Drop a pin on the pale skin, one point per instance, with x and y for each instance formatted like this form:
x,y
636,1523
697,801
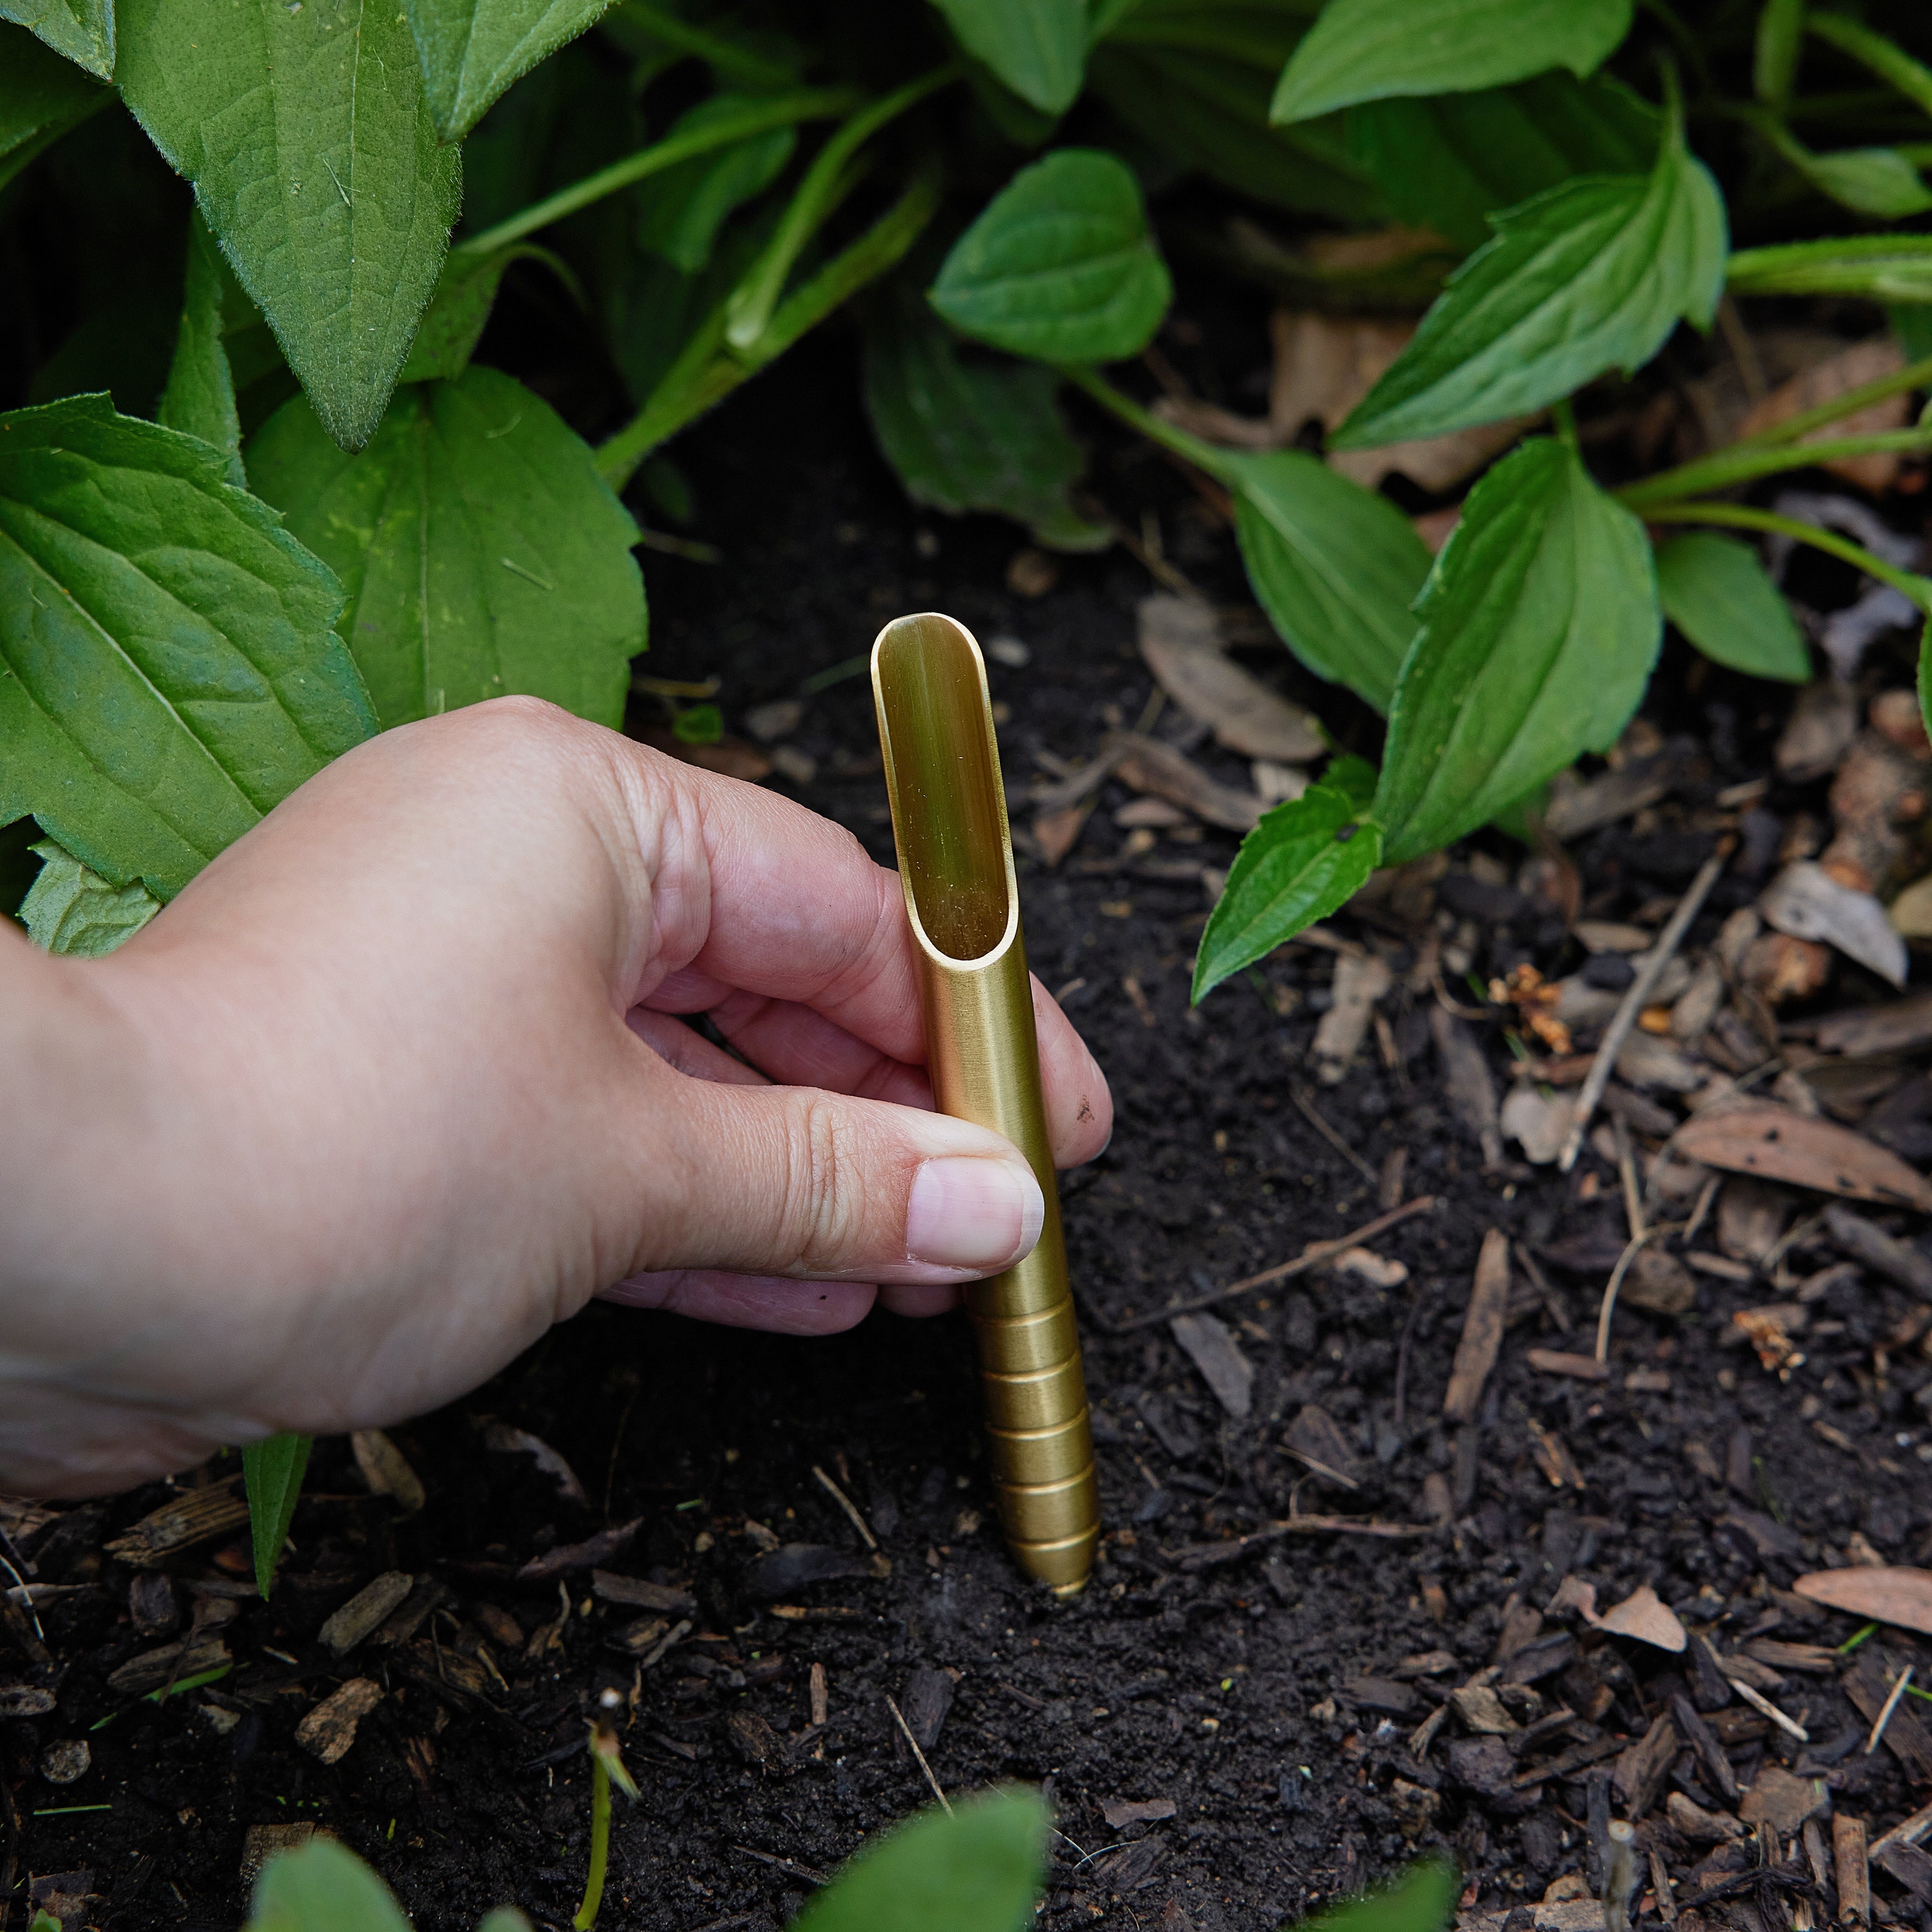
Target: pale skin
x,y
398,1082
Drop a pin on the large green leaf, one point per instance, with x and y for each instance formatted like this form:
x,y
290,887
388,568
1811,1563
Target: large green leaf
x,y
200,398
1302,861
1451,160
1038,48
978,1870
271,1472
1422,1900
680,210
1539,628
471,50
167,669
1591,276
41,96
324,1887
1335,567
1059,265
70,908
1715,591
1369,49
969,433
481,553
313,156
81,31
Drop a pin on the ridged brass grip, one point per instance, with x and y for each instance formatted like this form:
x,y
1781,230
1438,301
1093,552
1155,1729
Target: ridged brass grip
x,y
962,898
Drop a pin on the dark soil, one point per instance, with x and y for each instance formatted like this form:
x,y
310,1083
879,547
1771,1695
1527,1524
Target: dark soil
x,y
1265,1695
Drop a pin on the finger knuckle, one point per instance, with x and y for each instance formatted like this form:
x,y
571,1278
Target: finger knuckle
x,y
824,1200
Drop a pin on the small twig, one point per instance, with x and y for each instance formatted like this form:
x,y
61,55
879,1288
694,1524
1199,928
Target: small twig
x,y
26,1597
845,1503
1312,1113
1765,1707
1323,1251
1706,1194
1634,1002
1633,1213
1616,1281
1885,1710
899,1717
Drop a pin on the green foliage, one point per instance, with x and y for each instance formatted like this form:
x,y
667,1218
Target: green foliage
x,y
200,398
1538,628
1422,1900
315,159
1059,266
172,672
44,1920
472,49
459,310
41,96
1369,49
324,1887
71,910
81,31
481,553
272,1472
1037,48
1873,268
1590,276
1715,591
979,1870
685,207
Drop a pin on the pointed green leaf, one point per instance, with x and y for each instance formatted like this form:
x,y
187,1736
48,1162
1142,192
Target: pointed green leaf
x,y
471,50
322,1888
1591,276
979,1870
1355,779
313,156
1716,592
69,909
1878,181
272,1473
167,669
482,552
1539,627
1038,48
1335,567
972,433
1422,1900
1304,859
459,311
681,210
200,398
1872,268
1060,266
41,96
1369,50
81,31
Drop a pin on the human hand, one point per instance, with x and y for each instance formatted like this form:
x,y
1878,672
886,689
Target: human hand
x,y
396,1083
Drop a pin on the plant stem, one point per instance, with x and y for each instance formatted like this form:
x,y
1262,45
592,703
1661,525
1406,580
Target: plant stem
x,y
1217,463
1892,64
1914,376
756,117
1741,462
735,63
1565,419
1742,516
600,1844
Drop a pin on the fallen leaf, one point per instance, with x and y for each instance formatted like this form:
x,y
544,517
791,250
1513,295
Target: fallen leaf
x,y
1180,640
1538,1122
1777,1145
1211,1347
1779,1799
386,1470
506,1441
1119,1813
1360,980
1642,1615
1889,1596
1807,902
1147,765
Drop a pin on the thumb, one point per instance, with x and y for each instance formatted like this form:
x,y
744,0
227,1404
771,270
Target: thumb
x,y
794,1180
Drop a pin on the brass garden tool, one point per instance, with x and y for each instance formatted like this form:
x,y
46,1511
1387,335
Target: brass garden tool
x,y
956,863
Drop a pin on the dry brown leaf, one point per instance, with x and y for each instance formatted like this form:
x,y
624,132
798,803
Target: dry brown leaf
x,y
1147,765
1180,640
1863,362
1642,1615
1889,1596
1777,1145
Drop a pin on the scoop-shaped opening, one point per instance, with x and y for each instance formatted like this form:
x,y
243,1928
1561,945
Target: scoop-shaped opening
x,y
936,729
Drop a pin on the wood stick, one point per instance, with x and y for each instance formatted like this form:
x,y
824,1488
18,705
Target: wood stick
x,y
1482,1330
1907,1831
845,1503
1885,1710
920,1754
1849,1867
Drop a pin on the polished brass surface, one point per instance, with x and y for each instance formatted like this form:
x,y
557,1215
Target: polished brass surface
x,y
956,864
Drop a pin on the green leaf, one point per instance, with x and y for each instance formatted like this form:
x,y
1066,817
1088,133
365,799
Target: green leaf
x,y
313,156
700,725
1451,160
272,1474
41,96
1369,49
966,433
1422,1900
81,31
1355,779
458,312
167,669
1871,267
1590,276
503,1918
481,553
979,1870
324,1887
681,210
471,50
1780,27
1038,48
69,909
1912,323
44,1920
1877,181
1335,567
1715,591
1302,860
1539,628
1060,266
200,398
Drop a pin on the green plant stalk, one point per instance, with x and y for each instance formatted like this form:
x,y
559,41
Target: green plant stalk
x,y
1189,447
1892,64
733,62
1565,417
751,302
1743,516
1915,375
702,377
757,118
600,1844
1852,264
1742,463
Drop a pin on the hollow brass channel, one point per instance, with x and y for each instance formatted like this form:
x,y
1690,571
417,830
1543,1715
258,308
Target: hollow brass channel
x,y
956,865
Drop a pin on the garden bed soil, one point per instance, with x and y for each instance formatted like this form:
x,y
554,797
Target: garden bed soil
x,y
1259,1701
